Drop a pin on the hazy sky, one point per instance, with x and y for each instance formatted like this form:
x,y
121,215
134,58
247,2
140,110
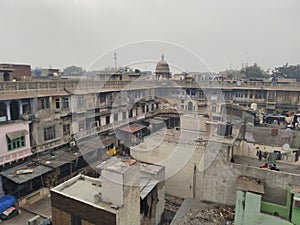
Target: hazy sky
x,y
224,33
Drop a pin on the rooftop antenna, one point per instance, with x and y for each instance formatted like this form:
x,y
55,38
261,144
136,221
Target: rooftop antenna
x,y
115,58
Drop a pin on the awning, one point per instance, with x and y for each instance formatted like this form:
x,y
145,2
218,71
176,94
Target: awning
x,y
132,128
16,134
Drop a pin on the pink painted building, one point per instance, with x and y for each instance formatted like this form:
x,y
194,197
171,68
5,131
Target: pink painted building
x,y
15,142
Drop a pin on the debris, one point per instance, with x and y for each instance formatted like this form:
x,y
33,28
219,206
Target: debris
x,y
215,216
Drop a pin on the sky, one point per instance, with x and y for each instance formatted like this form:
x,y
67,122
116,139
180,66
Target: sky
x,y
193,35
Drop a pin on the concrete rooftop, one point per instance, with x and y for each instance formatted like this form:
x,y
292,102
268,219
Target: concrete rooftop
x,y
83,188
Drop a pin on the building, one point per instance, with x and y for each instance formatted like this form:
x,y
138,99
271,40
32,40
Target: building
x,y
162,70
15,72
126,193
45,73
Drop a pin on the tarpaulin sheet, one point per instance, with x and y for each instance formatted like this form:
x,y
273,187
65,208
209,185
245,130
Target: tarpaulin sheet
x,y
6,201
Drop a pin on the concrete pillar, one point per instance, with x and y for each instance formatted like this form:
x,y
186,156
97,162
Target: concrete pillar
x,y
20,107
33,105
50,103
8,110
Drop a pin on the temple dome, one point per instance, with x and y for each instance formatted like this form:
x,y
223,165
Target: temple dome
x,y
162,68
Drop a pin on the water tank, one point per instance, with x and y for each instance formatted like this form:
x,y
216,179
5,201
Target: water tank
x,y
224,129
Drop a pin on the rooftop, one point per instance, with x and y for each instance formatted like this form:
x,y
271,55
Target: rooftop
x,y
85,189
30,171
251,184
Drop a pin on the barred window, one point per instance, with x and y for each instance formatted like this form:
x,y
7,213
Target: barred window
x,y
43,103
65,102
66,129
15,143
49,133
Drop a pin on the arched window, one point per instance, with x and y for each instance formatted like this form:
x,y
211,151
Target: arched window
x,y
190,106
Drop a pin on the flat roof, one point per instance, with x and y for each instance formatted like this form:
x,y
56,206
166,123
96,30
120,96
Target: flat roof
x,y
84,189
58,159
22,178
251,184
115,164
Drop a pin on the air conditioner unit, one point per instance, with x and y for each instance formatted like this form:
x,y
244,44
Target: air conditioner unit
x,y
34,220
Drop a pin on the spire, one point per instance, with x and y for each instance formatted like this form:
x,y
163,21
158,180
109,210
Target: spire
x,y
162,57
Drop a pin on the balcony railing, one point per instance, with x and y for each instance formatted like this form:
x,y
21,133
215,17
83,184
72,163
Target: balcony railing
x,y
91,85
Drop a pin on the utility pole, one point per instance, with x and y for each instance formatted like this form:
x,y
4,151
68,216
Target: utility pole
x,y
115,58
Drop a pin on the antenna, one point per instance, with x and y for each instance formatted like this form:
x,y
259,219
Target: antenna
x,y
115,58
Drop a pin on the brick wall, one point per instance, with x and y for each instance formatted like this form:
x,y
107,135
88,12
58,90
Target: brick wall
x,y
60,217
84,222
19,71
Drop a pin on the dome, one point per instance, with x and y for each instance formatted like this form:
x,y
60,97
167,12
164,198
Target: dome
x,y
162,68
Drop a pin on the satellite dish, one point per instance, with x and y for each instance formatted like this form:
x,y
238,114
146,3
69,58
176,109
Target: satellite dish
x,y
285,147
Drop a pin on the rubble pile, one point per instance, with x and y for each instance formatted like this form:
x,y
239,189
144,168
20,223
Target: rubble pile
x,y
214,216
171,204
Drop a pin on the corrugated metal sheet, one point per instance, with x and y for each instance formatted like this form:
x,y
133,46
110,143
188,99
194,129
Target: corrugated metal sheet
x,y
146,186
16,134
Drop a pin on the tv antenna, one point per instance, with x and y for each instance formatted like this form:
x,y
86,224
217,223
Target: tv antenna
x,y
115,58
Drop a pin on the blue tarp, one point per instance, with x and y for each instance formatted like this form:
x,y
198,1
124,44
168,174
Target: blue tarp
x,y
6,201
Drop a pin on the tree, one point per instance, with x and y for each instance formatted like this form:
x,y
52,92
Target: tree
x,y
287,71
254,71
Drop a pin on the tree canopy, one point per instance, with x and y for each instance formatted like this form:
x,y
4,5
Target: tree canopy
x,y
254,71
287,71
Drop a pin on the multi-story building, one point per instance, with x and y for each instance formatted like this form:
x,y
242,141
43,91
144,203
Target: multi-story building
x,y
15,72
126,193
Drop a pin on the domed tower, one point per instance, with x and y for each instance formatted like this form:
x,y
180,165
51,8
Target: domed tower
x,y
162,69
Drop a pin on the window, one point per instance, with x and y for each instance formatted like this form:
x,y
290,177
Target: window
x,y
66,129
227,95
201,94
49,133
43,103
81,126
130,113
116,115
287,96
80,102
152,107
57,103
272,96
75,220
238,95
214,109
15,143
258,94
107,119
251,94
124,115
65,102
